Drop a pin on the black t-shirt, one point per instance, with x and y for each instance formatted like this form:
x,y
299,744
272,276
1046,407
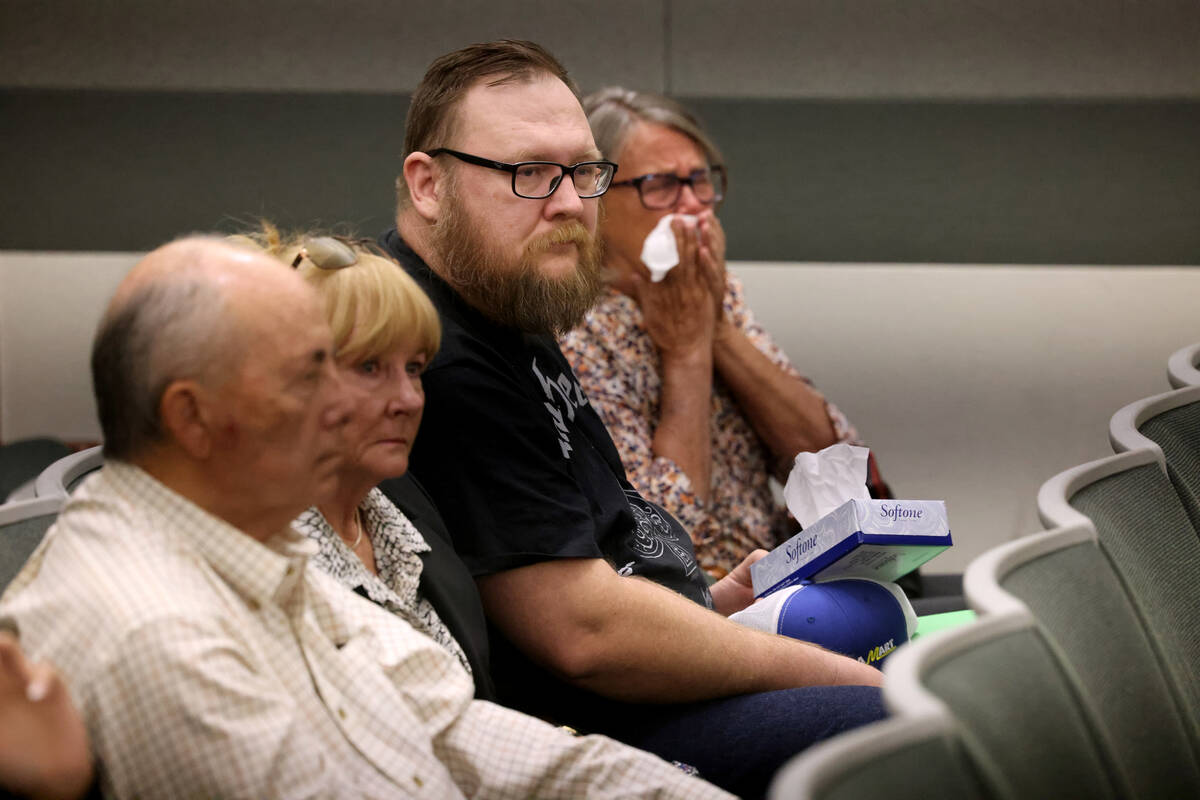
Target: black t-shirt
x,y
522,468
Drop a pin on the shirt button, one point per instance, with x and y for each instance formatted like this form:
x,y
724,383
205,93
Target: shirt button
x,y
290,570
341,712
417,780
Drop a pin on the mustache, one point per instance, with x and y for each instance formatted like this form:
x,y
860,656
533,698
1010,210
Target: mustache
x,y
570,232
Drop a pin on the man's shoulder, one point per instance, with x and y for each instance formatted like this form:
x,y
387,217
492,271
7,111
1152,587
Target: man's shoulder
x,y
467,337
103,574
471,342
444,298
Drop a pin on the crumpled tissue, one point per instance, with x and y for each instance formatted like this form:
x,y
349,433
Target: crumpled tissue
x,y
659,253
820,482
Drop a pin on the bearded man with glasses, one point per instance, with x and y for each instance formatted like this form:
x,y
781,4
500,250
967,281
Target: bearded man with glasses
x,y
603,619
703,406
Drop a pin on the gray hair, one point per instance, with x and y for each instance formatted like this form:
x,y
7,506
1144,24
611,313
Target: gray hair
x,y
172,328
612,113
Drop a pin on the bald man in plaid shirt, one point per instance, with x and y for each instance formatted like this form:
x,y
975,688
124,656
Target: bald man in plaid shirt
x,y
207,657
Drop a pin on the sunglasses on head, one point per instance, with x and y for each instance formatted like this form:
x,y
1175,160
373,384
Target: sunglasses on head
x,y
331,252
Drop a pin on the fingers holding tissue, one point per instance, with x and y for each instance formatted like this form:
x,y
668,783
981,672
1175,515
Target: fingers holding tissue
x,y
679,311
660,251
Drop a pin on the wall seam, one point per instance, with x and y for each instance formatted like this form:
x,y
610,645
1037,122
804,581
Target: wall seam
x,y
668,77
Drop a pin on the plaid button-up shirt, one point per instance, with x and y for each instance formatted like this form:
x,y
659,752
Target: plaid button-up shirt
x,y
207,664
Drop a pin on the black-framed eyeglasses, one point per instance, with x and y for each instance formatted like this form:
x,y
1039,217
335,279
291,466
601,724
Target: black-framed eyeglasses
x,y
331,252
660,190
536,180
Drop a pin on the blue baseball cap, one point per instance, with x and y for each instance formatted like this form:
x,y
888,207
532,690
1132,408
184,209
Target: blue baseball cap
x,y
860,618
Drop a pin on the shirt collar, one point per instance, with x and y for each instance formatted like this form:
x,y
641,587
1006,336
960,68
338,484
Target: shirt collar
x,y
260,572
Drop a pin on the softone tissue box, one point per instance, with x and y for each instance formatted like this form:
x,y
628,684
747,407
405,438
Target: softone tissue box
x,y
877,539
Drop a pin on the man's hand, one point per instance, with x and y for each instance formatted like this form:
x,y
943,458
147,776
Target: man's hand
x,y
735,591
633,640
43,744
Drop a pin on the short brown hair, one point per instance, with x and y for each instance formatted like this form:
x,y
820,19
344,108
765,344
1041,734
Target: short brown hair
x,y
431,117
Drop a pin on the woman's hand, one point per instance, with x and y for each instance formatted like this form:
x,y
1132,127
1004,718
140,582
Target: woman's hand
x,y
711,254
680,318
679,311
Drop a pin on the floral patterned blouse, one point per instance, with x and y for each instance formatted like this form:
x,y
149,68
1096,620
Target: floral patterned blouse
x,y
618,366
397,544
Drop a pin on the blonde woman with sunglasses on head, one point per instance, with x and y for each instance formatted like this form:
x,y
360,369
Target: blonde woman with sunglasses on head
x,y
387,542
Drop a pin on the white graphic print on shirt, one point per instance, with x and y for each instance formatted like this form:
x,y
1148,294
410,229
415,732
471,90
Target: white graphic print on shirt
x,y
565,392
654,536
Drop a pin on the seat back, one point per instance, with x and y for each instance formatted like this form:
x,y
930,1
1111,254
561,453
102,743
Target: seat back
x,y
60,478
22,526
901,758
1182,366
1020,714
1148,540
1090,623
21,462
1170,424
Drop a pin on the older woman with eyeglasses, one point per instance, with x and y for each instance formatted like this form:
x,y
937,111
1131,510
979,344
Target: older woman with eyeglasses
x,y
380,535
702,405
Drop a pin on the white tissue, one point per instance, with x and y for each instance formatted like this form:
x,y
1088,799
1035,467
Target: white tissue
x,y
820,482
658,252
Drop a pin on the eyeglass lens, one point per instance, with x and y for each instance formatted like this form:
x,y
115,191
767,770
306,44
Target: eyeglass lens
x,y
537,180
662,191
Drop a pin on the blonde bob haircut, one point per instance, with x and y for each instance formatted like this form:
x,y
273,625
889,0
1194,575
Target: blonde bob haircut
x,y
373,306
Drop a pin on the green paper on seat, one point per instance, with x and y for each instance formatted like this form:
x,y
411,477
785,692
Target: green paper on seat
x,y
936,622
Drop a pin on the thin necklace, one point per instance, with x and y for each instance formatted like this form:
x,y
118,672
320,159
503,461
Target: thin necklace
x,y
358,525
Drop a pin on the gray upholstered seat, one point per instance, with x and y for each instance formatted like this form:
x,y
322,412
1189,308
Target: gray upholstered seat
x,y
901,758
1090,622
1019,713
22,526
1169,423
22,460
1144,532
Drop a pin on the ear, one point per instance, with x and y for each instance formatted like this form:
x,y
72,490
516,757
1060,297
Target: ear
x,y
186,417
423,178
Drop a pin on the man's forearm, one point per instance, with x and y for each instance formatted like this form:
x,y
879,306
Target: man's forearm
x,y
695,654
630,639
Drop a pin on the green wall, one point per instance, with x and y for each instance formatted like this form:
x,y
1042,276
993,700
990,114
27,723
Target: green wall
x,y
861,181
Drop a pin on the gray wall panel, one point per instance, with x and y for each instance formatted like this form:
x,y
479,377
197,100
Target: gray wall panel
x,y
310,45
1047,183
948,49
126,171
810,181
